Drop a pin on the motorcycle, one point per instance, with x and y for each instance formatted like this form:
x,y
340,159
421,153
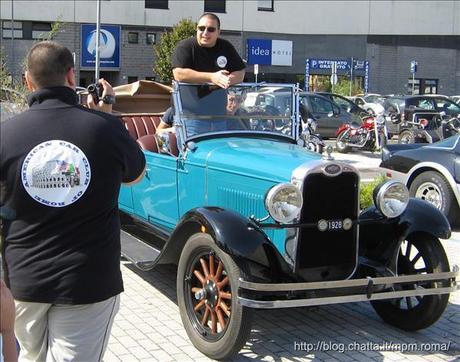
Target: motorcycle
x,y
371,134
312,141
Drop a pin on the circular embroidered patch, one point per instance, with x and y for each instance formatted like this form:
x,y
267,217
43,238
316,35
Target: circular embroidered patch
x,y
222,61
56,173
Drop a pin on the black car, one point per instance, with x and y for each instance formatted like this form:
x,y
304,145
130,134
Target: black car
x,y
409,108
328,114
346,104
430,171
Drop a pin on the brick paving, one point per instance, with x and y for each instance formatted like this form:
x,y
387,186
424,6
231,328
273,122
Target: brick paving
x,y
148,327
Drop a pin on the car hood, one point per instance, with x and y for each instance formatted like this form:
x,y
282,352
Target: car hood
x,y
259,157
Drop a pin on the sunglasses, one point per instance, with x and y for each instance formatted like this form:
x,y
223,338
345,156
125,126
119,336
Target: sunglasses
x,y
210,29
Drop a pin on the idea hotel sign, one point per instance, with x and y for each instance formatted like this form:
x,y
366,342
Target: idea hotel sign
x,y
269,52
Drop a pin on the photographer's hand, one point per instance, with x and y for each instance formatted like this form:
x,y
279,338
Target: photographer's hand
x,y
101,106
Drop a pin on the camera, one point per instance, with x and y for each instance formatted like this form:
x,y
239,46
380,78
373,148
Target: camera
x,y
95,90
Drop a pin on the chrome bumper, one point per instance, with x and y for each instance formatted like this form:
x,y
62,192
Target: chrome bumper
x,y
368,283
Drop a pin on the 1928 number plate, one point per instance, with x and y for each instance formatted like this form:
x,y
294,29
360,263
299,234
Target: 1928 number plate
x,y
334,225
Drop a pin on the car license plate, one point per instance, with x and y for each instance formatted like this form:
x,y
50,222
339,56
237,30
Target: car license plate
x,y
334,225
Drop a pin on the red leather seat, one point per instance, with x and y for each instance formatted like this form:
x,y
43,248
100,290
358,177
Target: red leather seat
x,y
148,143
141,125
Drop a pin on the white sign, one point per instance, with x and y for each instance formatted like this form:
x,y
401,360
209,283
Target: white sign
x,y
282,52
256,68
334,79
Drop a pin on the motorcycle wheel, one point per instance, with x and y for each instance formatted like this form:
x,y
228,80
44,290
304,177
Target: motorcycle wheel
x,y
314,144
406,137
340,144
419,254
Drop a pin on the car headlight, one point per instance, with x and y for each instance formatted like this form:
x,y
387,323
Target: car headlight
x,y
391,198
284,202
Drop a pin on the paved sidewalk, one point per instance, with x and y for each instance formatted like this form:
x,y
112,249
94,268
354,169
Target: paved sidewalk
x,y
148,327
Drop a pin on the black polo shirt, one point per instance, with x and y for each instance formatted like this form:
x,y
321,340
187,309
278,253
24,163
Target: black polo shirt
x,y
61,167
222,56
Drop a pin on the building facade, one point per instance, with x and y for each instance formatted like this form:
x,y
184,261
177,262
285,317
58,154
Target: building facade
x,y
373,42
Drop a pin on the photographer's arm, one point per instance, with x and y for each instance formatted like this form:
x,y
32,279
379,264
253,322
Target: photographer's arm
x,y
101,106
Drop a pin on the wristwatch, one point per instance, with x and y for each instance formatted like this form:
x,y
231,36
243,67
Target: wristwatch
x,y
108,99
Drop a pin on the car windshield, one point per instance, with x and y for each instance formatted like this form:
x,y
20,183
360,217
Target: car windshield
x,y
208,109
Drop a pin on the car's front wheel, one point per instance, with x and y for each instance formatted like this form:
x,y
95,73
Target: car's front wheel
x,y
434,188
419,254
207,278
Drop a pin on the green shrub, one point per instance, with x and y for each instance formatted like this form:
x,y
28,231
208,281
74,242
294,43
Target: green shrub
x,y
366,191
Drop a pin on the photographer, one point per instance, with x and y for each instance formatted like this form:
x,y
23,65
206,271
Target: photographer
x,y
60,173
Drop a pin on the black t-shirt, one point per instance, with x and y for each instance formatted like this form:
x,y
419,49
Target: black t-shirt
x,y
61,168
189,54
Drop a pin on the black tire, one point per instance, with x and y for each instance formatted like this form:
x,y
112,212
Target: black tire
x,y
340,143
220,327
425,251
406,137
434,188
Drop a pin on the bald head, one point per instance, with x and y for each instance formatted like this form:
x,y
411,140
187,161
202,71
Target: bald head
x,y
48,63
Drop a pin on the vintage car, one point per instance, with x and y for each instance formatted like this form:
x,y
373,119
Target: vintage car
x,y
254,220
430,172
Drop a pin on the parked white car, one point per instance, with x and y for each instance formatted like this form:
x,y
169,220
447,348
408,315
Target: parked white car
x,y
372,103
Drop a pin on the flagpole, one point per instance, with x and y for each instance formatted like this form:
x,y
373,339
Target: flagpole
x,y
98,32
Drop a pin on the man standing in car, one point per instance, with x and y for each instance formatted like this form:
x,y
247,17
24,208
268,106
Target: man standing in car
x,y
60,175
207,58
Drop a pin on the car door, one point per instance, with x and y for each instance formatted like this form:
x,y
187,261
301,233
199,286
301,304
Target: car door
x,y
326,113
155,197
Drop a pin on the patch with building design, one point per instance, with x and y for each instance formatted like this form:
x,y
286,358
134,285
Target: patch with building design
x,y
56,173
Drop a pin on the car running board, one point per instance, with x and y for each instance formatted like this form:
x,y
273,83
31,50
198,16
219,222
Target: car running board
x,y
142,255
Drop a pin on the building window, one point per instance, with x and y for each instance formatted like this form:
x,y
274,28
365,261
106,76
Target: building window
x,y
430,86
151,38
7,32
214,6
132,79
156,4
40,30
265,5
150,78
133,37
413,86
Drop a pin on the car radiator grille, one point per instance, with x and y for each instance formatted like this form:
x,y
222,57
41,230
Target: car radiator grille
x,y
328,254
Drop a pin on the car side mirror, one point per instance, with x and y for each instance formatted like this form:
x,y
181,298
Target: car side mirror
x,y
330,114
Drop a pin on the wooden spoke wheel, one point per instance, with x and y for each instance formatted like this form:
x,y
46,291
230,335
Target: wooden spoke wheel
x,y
207,294
211,293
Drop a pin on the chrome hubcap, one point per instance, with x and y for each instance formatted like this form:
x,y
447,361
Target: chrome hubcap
x,y
431,193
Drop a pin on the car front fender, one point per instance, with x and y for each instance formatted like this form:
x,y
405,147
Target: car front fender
x,y
381,237
234,234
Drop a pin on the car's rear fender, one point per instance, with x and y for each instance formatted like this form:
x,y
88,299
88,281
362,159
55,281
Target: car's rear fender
x,y
419,217
235,235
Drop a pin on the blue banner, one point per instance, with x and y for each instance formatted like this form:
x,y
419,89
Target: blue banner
x,y
260,51
109,46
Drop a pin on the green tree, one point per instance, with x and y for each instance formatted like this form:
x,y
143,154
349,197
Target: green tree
x,y
165,47
343,87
